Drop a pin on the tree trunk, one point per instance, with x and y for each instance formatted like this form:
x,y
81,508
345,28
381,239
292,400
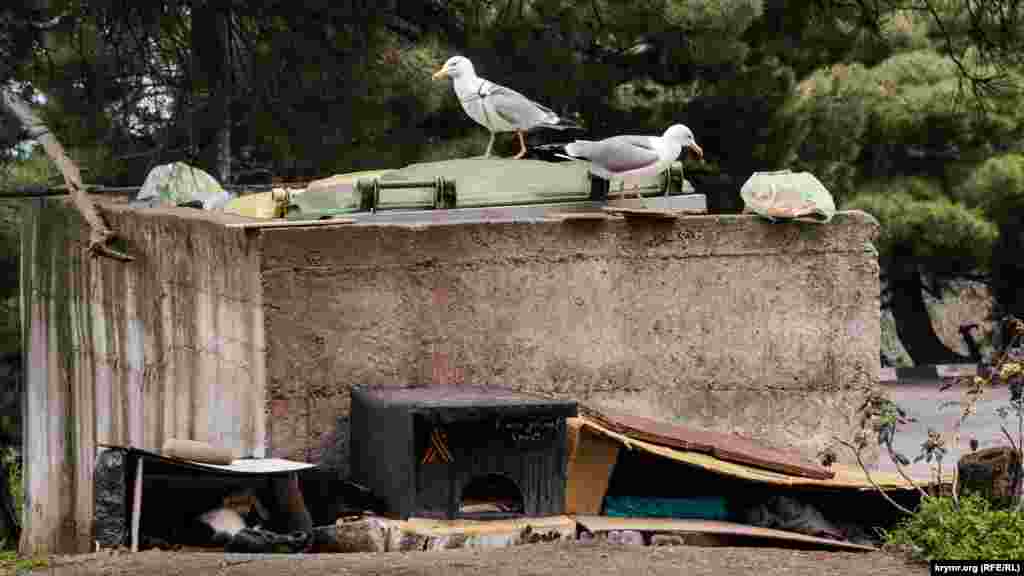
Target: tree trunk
x,y
913,323
1008,270
994,473
211,57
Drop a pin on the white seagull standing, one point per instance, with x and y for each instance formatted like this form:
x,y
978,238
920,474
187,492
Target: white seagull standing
x,y
630,158
495,107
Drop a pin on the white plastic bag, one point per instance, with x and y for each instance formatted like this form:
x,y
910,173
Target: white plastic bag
x,y
178,183
788,195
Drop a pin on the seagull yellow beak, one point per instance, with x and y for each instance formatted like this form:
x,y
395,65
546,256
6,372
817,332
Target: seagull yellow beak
x,y
697,150
442,73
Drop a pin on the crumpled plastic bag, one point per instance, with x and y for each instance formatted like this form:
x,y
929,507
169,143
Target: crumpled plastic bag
x,y
788,195
177,183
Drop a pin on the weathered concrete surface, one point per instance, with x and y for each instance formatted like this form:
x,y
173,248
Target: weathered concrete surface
x,y
728,322
170,345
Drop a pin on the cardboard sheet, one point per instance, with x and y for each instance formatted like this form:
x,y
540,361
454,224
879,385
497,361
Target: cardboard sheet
x,y
592,458
732,530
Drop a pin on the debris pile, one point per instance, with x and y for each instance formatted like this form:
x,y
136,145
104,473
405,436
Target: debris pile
x,y
453,467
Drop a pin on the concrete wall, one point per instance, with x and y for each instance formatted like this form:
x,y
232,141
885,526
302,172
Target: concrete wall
x,y
728,322
131,353
252,339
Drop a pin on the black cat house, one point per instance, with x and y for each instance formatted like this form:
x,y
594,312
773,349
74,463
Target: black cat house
x,y
460,452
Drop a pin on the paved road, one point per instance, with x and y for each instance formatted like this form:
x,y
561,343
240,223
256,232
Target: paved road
x,y
922,400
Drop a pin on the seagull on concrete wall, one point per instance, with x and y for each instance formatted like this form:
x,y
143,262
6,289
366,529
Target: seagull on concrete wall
x,y
631,158
495,107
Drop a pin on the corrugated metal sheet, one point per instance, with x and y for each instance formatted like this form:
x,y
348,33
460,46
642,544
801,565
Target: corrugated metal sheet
x,y
170,345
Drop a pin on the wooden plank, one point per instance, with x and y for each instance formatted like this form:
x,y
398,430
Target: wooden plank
x,y
728,447
288,223
599,524
652,214
592,459
137,502
581,217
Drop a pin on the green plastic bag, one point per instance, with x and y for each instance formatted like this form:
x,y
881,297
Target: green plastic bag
x,y
788,195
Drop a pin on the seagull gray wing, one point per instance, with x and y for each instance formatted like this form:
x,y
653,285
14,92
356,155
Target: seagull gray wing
x,y
518,110
621,153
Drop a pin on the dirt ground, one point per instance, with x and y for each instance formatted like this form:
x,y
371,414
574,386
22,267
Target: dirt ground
x,y
533,560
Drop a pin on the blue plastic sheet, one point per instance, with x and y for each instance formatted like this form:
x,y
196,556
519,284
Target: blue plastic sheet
x,y
699,508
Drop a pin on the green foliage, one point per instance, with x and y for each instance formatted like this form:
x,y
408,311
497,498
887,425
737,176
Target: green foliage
x,y
996,186
12,563
974,531
906,30
10,465
31,168
917,219
836,104
913,98
10,320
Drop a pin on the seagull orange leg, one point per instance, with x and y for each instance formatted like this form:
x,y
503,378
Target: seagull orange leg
x,y
490,144
522,146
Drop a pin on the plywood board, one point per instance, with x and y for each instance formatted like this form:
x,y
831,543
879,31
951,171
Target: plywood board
x,y
426,534
599,524
432,527
288,223
241,466
653,214
592,459
729,447
580,216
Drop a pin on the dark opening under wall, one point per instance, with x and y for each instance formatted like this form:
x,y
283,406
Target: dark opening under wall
x,y
640,474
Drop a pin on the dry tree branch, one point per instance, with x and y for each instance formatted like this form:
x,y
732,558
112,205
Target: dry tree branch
x,y
1008,437
903,474
860,460
100,235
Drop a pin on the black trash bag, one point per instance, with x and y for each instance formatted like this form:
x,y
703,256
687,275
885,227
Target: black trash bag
x,y
258,540
110,493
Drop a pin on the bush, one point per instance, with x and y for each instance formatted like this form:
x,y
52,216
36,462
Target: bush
x,y
10,464
975,531
947,234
